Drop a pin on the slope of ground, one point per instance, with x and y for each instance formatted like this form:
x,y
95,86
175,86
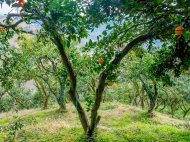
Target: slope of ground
x,y
119,123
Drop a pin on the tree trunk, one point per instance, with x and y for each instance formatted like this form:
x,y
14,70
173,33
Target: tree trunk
x,y
46,102
186,113
61,102
104,96
142,99
130,99
151,98
152,105
164,106
157,105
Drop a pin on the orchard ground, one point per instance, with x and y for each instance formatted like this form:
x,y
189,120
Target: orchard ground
x,y
119,122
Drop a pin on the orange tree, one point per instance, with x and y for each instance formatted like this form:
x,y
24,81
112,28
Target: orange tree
x,y
130,23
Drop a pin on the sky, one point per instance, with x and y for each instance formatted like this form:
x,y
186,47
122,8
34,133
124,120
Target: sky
x,y
6,9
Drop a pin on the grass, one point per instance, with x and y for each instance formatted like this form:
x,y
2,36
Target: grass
x,y
119,123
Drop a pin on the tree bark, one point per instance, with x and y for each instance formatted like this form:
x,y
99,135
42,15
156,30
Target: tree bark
x,y
142,99
151,97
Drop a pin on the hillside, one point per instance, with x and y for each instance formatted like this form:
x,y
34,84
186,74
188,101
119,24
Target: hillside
x,y
119,122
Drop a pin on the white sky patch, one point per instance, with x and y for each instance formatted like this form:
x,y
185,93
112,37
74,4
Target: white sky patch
x,y
6,9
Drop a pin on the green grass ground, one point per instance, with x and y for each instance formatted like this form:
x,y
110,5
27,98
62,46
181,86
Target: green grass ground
x,y
119,123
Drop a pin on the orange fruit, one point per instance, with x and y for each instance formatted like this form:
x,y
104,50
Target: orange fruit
x,y
184,70
13,1
21,1
178,38
180,59
100,61
164,59
133,56
171,69
5,80
141,55
178,47
129,55
60,57
178,30
168,62
121,45
165,86
21,14
20,4
110,83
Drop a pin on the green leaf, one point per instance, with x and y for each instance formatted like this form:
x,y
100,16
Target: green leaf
x,y
104,33
28,19
90,42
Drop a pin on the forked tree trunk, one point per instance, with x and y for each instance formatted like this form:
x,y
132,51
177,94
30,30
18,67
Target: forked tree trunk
x,y
185,113
89,129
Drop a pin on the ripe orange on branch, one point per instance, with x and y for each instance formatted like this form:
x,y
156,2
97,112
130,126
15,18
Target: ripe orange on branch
x,y
13,1
20,4
178,30
21,14
100,61
110,83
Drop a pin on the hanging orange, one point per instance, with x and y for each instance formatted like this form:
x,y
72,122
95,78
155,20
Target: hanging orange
x,y
21,14
178,30
100,61
180,59
21,1
20,4
13,1
110,83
